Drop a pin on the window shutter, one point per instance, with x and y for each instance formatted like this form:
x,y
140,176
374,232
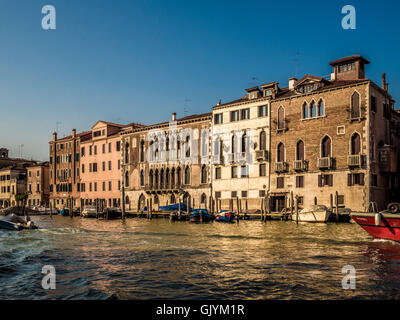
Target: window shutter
x,y
330,180
319,180
349,179
361,179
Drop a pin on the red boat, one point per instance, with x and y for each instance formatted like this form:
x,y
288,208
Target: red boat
x,y
380,225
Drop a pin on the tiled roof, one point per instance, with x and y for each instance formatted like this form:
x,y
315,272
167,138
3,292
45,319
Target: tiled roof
x,y
349,58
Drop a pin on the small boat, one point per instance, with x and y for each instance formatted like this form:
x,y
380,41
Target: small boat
x,y
15,223
111,213
380,225
89,212
64,212
316,213
200,215
41,210
225,216
177,216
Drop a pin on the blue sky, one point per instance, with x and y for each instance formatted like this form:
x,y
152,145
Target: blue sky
x,y
138,61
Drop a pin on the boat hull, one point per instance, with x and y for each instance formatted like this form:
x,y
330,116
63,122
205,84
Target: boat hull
x,y
388,227
312,216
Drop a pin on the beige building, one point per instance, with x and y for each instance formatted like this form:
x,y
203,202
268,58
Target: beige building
x,y
240,139
168,162
12,182
38,184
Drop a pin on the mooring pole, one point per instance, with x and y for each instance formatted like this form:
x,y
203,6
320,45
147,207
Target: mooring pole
x,y
291,203
262,209
337,206
123,202
297,209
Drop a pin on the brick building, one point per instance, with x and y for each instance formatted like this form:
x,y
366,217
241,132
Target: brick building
x,y
166,163
338,135
38,184
64,170
13,181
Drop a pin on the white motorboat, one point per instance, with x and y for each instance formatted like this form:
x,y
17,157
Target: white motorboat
x,y
89,212
316,213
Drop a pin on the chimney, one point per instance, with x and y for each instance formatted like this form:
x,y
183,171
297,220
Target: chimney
x,y
384,83
54,136
73,133
292,81
219,102
173,116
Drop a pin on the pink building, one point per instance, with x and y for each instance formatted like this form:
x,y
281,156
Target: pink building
x,y
100,165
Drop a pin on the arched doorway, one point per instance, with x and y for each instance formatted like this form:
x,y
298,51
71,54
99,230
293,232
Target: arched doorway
x,y
141,202
187,199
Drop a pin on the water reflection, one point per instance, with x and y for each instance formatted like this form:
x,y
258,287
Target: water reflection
x,y
143,259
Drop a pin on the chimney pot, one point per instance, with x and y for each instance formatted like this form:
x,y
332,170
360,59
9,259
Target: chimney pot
x,y
173,116
292,81
384,83
54,136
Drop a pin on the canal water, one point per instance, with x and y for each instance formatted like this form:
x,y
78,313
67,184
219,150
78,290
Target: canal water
x,y
159,259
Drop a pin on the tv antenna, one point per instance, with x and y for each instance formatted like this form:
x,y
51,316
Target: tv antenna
x,y
297,63
185,111
57,123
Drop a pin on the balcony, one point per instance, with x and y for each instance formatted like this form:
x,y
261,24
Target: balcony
x,y
240,157
231,158
218,159
300,165
281,167
261,155
325,163
354,160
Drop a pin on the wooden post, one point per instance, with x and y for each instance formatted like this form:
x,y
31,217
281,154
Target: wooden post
x,y
331,201
315,201
237,205
123,202
51,215
291,203
337,206
297,209
151,208
262,210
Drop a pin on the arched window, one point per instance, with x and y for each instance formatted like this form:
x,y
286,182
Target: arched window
x,y
187,175
173,177
355,144
233,145
300,150
326,147
203,174
203,198
355,106
305,110
244,142
321,108
162,178
263,140
141,178
281,152
156,178
167,178
179,176
313,109
172,199
127,179
204,143
142,151
151,178
281,118
167,144
127,152
187,147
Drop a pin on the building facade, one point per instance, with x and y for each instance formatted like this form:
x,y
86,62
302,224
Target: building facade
x,y
100,164
64,172
167,163
13,181
240,140
38,184
337,136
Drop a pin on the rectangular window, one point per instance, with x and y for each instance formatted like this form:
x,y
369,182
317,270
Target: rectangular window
x,y
279,182
234,116
218,173
374,180
109,185
299,181
90,186
218,118
325,180
83,168
104,166
233,194
263,170
94,167
119,164
244,194
82,151
244,170
373,103
261,193
90,167
355,179
217,194
95,149
234,172
95,187
244,114
262,111
97,133
104,148
118,145
104,186
90,150
109,147
109,165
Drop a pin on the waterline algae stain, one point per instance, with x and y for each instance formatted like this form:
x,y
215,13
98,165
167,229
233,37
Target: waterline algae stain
x,y
157,259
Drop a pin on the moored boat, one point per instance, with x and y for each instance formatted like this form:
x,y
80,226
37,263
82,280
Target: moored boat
x,y
225,216
89,212
316,213
64,212
200,215
380,225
